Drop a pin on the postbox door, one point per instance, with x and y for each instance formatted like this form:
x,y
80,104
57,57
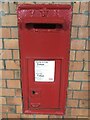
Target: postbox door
x,y
44,94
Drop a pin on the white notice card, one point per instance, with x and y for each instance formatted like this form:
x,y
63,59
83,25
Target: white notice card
x,y
44,71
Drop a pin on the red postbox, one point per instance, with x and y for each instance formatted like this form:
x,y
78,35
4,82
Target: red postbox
x,y
44,39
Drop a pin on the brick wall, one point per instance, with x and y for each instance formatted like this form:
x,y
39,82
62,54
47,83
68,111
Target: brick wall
x,y
10,86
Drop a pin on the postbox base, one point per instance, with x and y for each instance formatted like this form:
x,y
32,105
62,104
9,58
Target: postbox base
x,y
54,112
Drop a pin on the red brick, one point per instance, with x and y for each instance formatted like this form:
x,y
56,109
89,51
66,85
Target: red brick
x,y
18,109
68,112
10,64
84,103
80,20
83,32
80,94
74,32
85,86
2,100
0,108
7,74
71,75
11,44
81,76
74,85
13,7
69,117
82,55
83,7
51,117
14,33
13,83
8,92
78,44
72,55
89,20
0,91
2,83
87,66
16,54
1,44
41,116
8,109
13,115
76,66
4,115
17,74
27,116
84,117
4,32
5,7
72,103
88,45
14,101
18,92
69,94
9,20
5,54
76,7
80,112
1,64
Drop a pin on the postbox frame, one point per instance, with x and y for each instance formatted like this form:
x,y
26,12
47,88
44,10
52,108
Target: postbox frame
x,y
64,84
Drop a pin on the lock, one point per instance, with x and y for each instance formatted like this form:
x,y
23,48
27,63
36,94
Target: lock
x,y
33,92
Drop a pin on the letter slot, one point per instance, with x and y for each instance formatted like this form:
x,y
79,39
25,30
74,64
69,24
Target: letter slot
x,y
44,26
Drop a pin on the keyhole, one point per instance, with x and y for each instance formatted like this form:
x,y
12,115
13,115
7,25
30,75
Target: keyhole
x,y
33,92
